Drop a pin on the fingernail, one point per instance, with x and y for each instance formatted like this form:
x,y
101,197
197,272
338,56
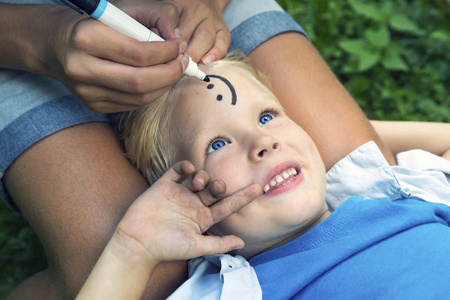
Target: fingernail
x,y
177,33
185,62
183,47
208,59
201,181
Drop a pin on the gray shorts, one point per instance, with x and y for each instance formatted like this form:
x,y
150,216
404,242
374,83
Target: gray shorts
x,y
33,106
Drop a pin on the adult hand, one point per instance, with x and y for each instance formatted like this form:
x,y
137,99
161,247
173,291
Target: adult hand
x,y
167,222
108,71
203,26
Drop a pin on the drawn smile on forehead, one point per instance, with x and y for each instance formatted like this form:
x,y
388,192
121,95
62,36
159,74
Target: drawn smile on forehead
x,y
229,85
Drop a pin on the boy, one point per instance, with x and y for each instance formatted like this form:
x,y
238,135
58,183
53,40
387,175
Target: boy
x,y
235,130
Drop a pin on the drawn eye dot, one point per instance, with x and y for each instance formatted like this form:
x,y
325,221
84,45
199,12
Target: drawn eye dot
x,y
219,97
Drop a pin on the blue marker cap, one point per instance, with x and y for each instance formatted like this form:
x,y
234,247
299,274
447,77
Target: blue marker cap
x,y
89,6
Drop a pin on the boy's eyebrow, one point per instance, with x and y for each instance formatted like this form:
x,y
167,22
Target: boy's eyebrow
x,y
230,86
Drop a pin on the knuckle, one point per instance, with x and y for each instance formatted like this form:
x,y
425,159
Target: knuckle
x,y
137,83
140,57
73,69
203,220
231,204
207,34
81,90
224,36
79,37
97,107
170,10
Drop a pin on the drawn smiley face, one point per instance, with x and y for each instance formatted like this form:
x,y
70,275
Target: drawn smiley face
x,y
230,86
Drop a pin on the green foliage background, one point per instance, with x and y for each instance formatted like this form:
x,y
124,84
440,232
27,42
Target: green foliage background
x,y
392,56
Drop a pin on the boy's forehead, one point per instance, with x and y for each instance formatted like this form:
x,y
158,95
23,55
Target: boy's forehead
x,y
227,85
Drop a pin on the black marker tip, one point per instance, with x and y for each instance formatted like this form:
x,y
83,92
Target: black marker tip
x,y
206,79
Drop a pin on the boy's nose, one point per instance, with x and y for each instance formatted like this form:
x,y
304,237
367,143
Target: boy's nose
x,y
263,146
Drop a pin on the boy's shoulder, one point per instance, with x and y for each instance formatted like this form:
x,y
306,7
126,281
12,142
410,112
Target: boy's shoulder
x,y
366,173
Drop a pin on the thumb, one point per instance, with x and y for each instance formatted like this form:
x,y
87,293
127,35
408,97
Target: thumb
x,y
210,245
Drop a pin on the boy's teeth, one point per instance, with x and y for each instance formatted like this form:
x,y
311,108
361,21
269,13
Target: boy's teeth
x,y
280,178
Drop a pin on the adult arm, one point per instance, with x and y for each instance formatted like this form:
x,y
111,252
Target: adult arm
x,y
73,187
402,136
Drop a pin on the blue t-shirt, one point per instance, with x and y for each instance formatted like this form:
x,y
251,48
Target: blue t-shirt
x,y
366,249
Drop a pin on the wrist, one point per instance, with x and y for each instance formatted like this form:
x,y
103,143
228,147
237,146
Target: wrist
x,y
131,253
122,271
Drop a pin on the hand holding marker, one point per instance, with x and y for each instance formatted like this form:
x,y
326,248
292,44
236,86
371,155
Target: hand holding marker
x,y
113,17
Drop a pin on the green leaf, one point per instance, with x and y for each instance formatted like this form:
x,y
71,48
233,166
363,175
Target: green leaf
x,y
360,48
379,38
355,46
367,60
368,10
386,9
402,23
392,60
442,35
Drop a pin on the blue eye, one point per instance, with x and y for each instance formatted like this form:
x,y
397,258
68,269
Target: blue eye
x,y
216,144
266,117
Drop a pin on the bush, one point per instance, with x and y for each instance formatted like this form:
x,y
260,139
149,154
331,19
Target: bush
x,y
392,56
21,254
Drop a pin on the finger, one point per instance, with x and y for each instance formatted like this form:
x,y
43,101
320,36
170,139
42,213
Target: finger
x,y
102,41
220,48
210,245
125,78
217,188
202,40
197,182
233,203
178,170
212,193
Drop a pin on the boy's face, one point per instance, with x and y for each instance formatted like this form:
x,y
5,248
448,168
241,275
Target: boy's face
x,y
252,141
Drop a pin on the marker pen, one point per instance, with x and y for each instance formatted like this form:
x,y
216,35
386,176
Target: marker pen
x,y
113,17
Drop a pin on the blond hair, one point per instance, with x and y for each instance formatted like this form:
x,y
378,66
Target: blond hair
x,y
147,133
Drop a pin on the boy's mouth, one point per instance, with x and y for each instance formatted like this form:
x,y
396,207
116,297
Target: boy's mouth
x,y
281,179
